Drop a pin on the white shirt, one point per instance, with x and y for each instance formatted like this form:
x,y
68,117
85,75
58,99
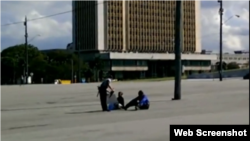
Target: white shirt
x,y
109,80
104,83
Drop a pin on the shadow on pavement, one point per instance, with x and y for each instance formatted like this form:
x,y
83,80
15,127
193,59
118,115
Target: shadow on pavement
x,y
100,111
84,112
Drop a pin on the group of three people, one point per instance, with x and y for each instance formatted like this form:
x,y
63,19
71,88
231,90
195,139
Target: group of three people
x,y
141,101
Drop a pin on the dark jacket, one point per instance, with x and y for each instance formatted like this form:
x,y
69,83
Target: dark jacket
x,y
104,84
120,100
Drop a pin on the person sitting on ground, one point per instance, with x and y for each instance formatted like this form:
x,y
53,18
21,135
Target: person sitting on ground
x,y
141,102
120,100
115,102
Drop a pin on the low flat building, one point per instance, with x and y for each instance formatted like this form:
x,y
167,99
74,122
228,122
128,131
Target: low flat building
x,y
144,65
240,57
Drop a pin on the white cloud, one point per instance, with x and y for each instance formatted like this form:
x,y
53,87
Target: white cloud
x,y
245,15
47,28
58,28
233,29
233,43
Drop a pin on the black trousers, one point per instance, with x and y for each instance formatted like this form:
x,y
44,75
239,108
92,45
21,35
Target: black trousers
x,y
103,99
144,107
134,102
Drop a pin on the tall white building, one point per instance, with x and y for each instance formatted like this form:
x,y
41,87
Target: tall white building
x,y
137,36
141,26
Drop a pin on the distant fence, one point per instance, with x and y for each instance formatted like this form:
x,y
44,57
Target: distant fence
x,y
226,74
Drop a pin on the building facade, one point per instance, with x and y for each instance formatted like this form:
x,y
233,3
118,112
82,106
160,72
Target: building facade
x,y
139,28
239,57
144,65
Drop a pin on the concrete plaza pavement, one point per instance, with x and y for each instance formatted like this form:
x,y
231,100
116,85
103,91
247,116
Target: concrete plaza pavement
x,y
72,112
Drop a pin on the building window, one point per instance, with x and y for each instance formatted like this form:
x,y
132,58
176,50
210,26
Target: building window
x,y
117,63
129,63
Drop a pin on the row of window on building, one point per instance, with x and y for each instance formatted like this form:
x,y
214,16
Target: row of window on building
x,y
145,63
235,58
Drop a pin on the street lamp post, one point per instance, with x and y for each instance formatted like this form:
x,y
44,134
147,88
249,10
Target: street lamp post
x,y
178,45
221,14
26,49
79,62
72,71
221,10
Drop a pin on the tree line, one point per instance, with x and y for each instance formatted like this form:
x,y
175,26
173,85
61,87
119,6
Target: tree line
x,y
55,64
230,66
45,66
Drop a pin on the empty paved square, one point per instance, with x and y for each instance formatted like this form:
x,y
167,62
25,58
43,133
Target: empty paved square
x,y
72,112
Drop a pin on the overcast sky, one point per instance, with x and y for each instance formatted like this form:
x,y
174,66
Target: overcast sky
x,y
56,32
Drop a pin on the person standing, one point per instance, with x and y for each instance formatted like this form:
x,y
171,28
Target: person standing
x,y
106,84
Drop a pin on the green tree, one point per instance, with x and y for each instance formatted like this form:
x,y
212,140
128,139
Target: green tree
x,y
19,50
38,67
7,70
62,64
13,61
232,65
96,69
49,66
224,66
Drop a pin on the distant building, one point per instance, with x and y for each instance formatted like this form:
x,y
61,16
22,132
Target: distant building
x,y
240,57
134,26
133,39
206,52
241,52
